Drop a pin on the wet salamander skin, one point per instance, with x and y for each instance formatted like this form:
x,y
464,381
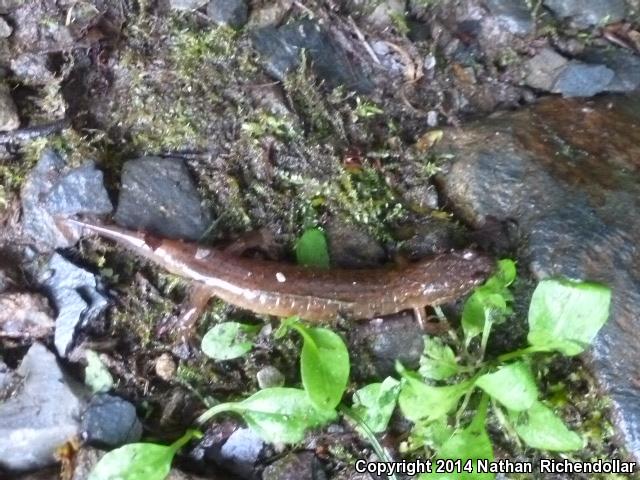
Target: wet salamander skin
x,y
313,294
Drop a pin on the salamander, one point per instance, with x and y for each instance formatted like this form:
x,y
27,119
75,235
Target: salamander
x,y
313,294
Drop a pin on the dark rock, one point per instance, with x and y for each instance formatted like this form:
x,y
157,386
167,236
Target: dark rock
x,y
110,422
295,466
352,247
432,235
76,298
567,171
158,195
281,50
25,316
41,415
50,190
625,65
514,15
233,13
377,344
584,13
582,80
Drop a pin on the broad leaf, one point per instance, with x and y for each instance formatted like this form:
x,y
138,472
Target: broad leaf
x,y
540,428
228,340
566,316
136,461
374,404
438,361
512,385
312,250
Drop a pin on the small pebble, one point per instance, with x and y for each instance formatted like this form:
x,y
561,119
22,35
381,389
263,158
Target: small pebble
x,y
269,377
165,367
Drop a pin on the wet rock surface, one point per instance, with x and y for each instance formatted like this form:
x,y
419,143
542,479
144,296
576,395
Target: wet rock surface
x,y
584,13
110,422
41,415
158,195
567,172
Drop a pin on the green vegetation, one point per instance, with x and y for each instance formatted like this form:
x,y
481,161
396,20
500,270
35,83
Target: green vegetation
x,y
229,340
312,250
450,399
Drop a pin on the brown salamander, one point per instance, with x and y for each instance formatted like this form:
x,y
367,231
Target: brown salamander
x,y
282,289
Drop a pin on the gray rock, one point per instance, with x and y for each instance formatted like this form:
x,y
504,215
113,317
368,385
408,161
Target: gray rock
x,y
582,80
158,195
377,345
270,376
25,316
584,13
352,247
386,12
75,295
187,4
110,422
32,69
514,15
5,29
9,119
50,190
41,415
565,171
430,236
295,466
242,450
281,49
543,69
233,13
625,65
6,6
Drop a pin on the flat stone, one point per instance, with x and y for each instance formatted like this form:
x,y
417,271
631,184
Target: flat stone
x,y
582,80
76,298
233,13
51,189
584,13
41,415
281,49
25,316
514,15
110,422
9,119
158,195
543,69
567,171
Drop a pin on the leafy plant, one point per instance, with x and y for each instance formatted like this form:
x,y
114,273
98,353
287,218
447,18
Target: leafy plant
x,y
228,340
96,374
312,250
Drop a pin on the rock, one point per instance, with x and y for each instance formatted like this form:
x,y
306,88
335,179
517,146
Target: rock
x,y
158,195
165,367
47,474
233,13
430,236
76,298
543,69
625,65
352,247
9,119
110,422
584,13
566,171
582,80
269,13
25,316
6,6
377,344
513,15
32,69
52,190
295,466
386,13
5,29
281,49
7,379
41,415
187,4
269,377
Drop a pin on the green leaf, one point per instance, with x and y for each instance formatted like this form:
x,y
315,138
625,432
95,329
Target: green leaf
x,y
96,374
540,428
136,461
374,404
438,361
280,415
512,385
431,434
468,445
489,301
312,250
566,316
228,340
324,366
419,401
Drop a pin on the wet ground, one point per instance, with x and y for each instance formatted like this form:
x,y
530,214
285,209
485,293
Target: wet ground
x,y
403,129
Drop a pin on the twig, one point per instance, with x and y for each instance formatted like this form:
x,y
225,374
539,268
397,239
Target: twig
x,y
362,38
